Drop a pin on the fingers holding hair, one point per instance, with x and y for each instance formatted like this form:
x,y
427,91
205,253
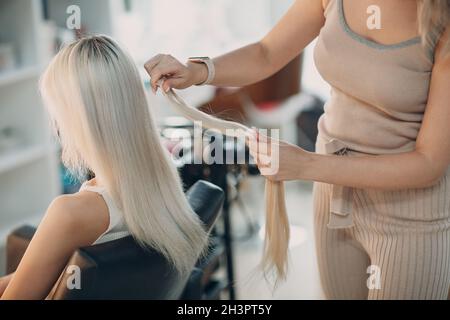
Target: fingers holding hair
x,y
259,148
159,67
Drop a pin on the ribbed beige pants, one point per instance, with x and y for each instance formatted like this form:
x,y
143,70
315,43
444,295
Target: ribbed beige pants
x,y
404,235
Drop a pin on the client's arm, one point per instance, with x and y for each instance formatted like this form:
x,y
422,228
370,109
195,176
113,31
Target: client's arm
x,y
71,222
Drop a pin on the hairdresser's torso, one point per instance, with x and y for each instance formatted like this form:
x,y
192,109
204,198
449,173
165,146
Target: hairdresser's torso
x,y
379,78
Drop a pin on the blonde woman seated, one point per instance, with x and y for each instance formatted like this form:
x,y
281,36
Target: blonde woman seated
x,y
95,97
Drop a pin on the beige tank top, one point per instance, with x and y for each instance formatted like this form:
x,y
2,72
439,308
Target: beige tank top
x,y
378,92
117,227
378,97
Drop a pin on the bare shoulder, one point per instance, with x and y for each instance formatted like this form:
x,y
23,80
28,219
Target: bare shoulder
x,y
84,212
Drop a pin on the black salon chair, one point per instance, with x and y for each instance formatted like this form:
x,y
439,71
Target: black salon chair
x,y
121,269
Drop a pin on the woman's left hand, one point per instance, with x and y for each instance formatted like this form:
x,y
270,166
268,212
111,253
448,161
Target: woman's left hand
x,y
278,160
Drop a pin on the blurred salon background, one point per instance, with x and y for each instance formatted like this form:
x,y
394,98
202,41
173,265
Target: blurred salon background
x,y
31,174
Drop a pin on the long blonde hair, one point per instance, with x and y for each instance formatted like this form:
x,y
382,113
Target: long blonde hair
x,y
277,232
434,18
95,96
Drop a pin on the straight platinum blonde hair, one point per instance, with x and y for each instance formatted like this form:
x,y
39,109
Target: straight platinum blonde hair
x,y
95,97
277,232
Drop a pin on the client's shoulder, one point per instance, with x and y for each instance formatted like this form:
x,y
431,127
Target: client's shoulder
x,y
83,212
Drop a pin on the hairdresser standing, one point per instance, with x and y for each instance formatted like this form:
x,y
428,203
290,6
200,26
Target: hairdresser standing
x,y
382,191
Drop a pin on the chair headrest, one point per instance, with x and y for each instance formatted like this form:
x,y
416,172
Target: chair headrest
x,y
206,199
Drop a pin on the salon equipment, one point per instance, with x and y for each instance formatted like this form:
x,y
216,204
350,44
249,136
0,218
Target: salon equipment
x,y
307,124
121,269
226,176
216,174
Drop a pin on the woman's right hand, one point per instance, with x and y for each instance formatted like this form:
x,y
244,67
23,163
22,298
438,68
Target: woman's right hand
x,y
174,73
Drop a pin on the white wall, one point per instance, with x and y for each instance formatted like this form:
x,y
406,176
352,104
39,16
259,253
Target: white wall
x,y
311,79
29,171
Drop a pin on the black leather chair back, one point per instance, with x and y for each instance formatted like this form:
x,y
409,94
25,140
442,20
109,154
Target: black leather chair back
x,y
121,269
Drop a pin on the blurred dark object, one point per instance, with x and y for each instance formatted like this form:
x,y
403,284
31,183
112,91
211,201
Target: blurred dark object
x,y
307,124
217,174
45,10
202,284
121,269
